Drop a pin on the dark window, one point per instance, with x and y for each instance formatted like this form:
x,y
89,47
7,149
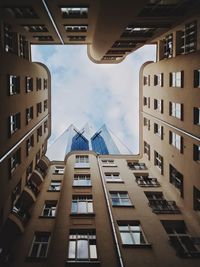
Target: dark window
x,y
43,38
29,144
13,84
180,239
38,84
137,166
29,114
197,78
176,178
45,81
196,116
158,161
39,133
158,105
168,46
133,31
40,245
76,28
29,84
196,198
39,108
158,129
14,123
10,39
76,38
74,12
49,209
146,181
22,12
23,47
159,79
45,126
196,152
29,171
147,149
35,28
15,160
37,157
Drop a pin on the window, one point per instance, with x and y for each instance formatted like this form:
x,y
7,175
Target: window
x,y
196,153
49,209
37,157
113,177
176,79
23,47
45,105
76,28
22,12
14,123
29,84
160,205
45,83
15,160
168,46
29,144
29,114
13,84
39,108
82,180
176,140
146,181
132,31
82,204
35,28
147,149
59,170
9,44
197,78
180,239
158,129
40,245
158,161
120,199
55,186
43,38
176,178
76,38
158,105
147,80
197,116
159,79
82,162
176,110
124,44
147,123
188,38
147,101
29,171
82,245
131,233
108,163
74,12
38,84
196,199
45,126
39,133
137,166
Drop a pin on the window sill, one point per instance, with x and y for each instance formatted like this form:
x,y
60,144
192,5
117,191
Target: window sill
x,y
123,206
34,259
74,186
53,191
47,217
81,263
92,214
137,245
118,182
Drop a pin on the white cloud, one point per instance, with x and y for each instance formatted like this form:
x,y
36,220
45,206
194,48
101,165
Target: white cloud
x,y
96,93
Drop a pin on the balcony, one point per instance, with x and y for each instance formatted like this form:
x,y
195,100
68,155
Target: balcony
x,y
36,177
145,181
43,164
163,206
20,218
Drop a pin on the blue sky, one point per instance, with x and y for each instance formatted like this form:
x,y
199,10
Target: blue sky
x,y
83,91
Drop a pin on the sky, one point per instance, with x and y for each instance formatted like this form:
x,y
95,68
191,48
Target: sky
x,y
85,92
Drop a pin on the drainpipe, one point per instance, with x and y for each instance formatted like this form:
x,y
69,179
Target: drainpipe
x,y
110,214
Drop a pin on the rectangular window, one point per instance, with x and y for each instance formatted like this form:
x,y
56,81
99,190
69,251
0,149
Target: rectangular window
x,y
108,163
40,245
131,233
196,153
120,199
147,149
45,105
190,37
37,157
176,140
137,166
158,161
39,108
45,84
158,105
176,79
29,144
35,28
45,126
159,79
39,133
82,162
14,123
23,47
29,171
76,28
113,177
146,181
29,114
59,170
176,178
197,116
160,205
55,186
147,101
15,160
82,245
74,12
196,199
25,12
8,39
168,46
29,84
158,129
49,209
82,180
82,204
38,84
146,80
13,84
197,78
176,110
147,123
180,239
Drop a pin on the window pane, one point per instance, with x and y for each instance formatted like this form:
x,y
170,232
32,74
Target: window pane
x,y
43,250
82,249
34,250
74,206
93,252
126,238
72,249
82,207
138,238
90,207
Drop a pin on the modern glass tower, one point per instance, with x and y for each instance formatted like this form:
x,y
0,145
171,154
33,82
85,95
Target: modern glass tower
x,y
102,142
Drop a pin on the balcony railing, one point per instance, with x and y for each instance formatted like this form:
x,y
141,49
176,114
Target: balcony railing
x,y
163,206
147,182
33,188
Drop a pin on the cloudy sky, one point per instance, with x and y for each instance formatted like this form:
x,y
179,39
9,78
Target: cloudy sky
x,y
95,93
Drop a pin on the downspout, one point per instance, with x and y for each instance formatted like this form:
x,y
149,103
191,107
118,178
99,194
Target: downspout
x,y
110,214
